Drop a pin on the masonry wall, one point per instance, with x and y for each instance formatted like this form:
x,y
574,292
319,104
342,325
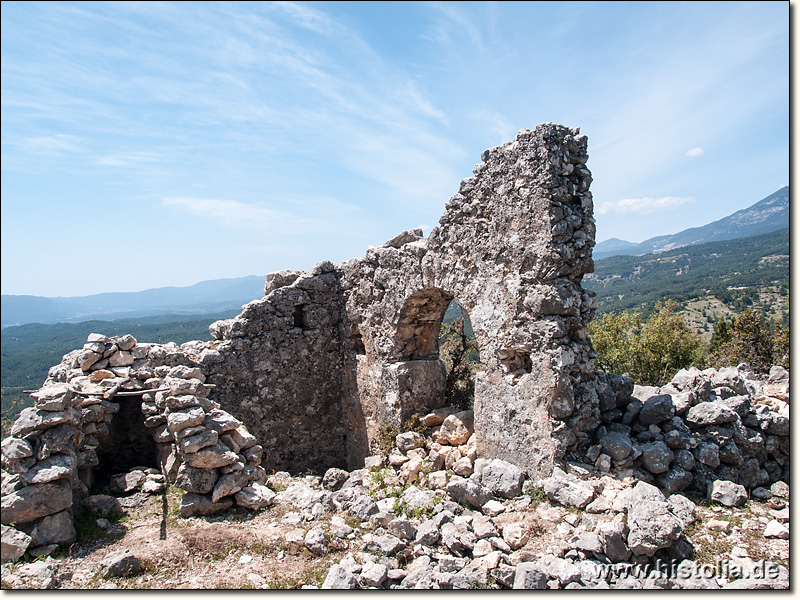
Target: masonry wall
x,y
281,368
305,377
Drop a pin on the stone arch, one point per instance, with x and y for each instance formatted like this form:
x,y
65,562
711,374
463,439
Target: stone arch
x,y
417,331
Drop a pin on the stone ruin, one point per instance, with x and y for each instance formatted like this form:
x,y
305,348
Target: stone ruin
x,y
305,377
327,357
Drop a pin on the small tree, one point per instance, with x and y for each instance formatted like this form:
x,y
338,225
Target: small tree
x,y
665,345
613,337
751,338
649,352
459,353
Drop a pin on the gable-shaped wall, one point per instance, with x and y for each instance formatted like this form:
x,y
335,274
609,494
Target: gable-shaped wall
x,y
328,356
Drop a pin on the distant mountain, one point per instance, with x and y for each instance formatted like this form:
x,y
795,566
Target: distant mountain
x,y
767,215
199,299
613,247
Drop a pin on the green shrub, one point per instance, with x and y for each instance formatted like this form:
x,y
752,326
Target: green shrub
x,y
536,492
387,437
752,338
650,352
459,353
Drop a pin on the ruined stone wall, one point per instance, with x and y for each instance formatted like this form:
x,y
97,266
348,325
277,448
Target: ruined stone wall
x,y
331,355
305,377
511,248
280,369
327,357
116,404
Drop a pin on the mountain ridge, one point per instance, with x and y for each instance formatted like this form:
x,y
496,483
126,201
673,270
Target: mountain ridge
x,y
767,215
212,296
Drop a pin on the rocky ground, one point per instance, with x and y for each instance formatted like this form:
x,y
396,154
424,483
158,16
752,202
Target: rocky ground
x,y
400,524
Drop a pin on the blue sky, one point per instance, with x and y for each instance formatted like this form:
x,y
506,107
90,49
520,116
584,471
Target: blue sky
x,y
165,143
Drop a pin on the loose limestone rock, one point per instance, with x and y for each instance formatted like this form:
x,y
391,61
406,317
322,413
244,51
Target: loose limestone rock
x,y
502,478
120,564
567,490
727,493
652,525
202,504
14,544
35,501
467,491
255,496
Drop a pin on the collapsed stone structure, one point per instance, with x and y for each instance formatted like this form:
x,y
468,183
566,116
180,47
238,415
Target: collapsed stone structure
x,y
160,417
328,356
305,377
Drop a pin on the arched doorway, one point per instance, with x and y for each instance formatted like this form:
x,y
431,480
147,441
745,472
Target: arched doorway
x,y
436,356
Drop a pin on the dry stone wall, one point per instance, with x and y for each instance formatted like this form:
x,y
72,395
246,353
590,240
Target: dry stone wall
x,y
703,426
111,406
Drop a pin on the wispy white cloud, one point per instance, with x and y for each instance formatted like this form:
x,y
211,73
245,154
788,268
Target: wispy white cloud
x,y
127,159
228,211
695,152
496,124
52,145
310,216
642,206
457,21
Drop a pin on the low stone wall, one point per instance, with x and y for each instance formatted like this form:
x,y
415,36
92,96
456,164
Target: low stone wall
x,y
728,424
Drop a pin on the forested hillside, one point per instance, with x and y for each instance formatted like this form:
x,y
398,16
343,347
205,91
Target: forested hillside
x,y
732,270
28,351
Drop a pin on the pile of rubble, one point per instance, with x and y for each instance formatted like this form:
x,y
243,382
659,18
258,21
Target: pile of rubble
x,y
437,517
727,424
430,514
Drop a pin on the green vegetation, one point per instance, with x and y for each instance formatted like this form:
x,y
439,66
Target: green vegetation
x,y
651,350
536,492
752,338
716,304
414,423
387,436
458,350
87,529
13,401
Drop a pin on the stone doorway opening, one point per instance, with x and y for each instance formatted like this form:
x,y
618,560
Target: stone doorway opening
x,y
127,445
437,354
